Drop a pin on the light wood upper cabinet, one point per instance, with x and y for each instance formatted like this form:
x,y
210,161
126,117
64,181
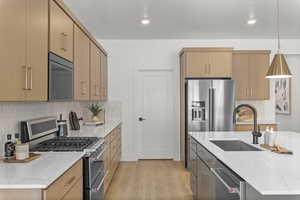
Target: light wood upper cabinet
x,y
240,73
23,57
249,70
220,64
12,48
197,64
37,50
61,32
81,65
208,62
95,72
104,77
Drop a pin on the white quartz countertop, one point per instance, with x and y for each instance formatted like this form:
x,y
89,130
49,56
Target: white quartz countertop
x,y
39,173
269,173
95,131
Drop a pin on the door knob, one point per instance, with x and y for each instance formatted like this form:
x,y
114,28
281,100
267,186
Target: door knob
x,y
141,119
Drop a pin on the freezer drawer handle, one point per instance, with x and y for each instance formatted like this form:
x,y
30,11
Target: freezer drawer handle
x,y
230,189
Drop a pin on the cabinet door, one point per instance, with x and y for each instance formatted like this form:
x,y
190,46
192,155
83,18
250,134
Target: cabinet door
x,y
12,48
104,76
240,74
197,64
81,65
61,32
220,65
258,83
76,192
37,50
95,72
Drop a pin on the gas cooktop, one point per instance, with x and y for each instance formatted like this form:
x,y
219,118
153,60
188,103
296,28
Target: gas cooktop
x,y
65,144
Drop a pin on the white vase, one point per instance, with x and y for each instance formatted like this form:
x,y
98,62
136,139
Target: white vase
x,y
95,118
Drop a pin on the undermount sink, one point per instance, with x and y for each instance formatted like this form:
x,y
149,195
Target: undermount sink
x,y
234,145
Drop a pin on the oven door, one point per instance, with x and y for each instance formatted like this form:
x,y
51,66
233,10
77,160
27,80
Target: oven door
x,y
60,79
97,190
93,168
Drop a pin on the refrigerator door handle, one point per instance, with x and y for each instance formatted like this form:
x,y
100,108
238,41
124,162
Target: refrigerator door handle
x,y
213,109
210,109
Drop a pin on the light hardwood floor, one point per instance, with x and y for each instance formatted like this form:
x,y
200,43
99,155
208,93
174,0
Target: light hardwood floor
x,y
150,180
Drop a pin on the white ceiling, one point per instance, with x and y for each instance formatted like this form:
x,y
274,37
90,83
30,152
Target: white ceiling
x,y
197,19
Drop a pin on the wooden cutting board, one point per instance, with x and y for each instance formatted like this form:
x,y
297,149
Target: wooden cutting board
x,y
274,149
32,156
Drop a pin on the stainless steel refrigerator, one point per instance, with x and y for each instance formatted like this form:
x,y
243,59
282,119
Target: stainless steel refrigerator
x,y
210,105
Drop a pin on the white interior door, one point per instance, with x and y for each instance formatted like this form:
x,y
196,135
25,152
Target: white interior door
x,y
154,105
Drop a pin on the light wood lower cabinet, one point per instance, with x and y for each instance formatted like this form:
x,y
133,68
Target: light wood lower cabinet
x,y
249,127
112,154
24,50
68,186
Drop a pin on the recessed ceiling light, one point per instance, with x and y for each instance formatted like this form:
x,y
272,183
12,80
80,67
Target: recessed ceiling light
x,y
145,21
251,21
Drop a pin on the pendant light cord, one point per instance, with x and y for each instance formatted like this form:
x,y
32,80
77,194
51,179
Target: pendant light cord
x,y
278,35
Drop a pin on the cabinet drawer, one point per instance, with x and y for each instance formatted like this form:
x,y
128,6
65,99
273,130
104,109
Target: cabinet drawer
x,y
76,193
62,185
206,156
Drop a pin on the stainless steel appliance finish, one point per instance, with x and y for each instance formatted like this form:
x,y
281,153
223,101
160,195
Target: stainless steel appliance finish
x,y
61,76
234,145
210,178
210,105
36,128
44,133
94,174
60,144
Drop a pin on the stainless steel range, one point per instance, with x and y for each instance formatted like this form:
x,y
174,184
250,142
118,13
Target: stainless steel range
x,y
42,136
65,144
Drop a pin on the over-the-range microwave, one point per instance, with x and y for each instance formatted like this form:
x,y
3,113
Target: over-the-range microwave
x,y
61,79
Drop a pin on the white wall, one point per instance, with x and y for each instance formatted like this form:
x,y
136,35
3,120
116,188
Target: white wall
x,y
291,122
127,55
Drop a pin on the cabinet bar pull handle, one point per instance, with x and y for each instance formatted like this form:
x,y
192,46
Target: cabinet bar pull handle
x,y
251,92
30,69
83,88
63,36
26,77
70,181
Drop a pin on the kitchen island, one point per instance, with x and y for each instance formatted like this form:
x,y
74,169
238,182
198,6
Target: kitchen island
x,y
267,175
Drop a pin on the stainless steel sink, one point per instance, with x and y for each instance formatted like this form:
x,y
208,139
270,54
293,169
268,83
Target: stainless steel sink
x,y
234,145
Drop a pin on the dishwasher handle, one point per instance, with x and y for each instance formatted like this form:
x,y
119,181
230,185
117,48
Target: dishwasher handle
x,y
232,190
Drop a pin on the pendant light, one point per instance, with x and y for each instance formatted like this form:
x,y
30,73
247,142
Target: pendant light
x,y
279,67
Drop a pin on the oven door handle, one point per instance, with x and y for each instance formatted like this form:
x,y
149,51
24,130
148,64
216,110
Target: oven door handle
x,y
231,190
101,183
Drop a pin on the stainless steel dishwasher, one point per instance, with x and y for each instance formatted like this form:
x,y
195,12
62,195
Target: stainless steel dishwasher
x,y
215,181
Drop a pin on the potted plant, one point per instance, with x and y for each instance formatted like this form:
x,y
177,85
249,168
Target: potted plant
x,y
95,110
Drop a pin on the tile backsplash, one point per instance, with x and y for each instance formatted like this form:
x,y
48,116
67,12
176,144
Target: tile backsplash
x,y
12,113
